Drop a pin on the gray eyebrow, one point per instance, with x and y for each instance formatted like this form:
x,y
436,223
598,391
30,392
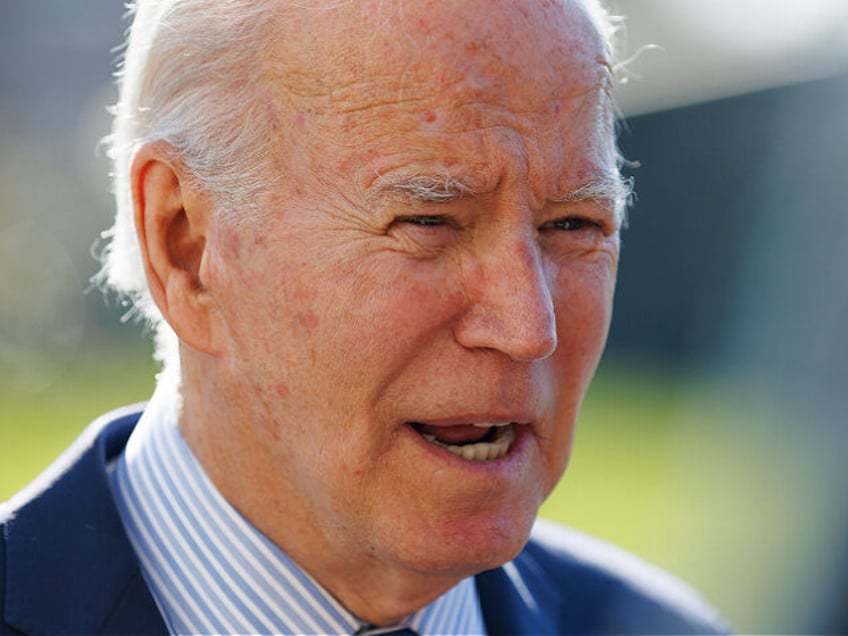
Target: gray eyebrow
x,y
444,188
617,189
614,188
430,188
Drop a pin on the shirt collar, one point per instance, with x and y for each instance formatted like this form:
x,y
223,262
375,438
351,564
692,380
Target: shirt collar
x,y
211,571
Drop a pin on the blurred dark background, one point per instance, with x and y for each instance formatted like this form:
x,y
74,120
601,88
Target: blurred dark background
x,y
724,390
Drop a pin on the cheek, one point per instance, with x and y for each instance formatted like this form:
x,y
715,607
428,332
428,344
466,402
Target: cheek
x,y
583,308
583,305
584,297
265,318
402,299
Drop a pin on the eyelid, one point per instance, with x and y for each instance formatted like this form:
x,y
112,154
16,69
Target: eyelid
x,y
424,220
611,193
583,220
602,212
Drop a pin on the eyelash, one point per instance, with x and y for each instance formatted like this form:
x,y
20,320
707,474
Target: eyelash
x,y
433,220
568,224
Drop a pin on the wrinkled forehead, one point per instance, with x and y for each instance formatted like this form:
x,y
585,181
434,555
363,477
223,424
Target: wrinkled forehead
x,y
362,52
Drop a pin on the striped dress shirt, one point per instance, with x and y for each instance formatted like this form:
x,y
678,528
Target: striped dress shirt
x,y
212,572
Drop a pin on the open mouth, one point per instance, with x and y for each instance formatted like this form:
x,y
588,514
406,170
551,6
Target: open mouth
x,y
484,441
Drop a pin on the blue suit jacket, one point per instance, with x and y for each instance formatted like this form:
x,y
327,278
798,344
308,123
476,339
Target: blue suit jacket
x,y
66,566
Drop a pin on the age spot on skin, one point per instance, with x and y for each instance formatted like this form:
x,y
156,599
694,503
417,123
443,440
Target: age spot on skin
x,y
230,243
307,320
272,112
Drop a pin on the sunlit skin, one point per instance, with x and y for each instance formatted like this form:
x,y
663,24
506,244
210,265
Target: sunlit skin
x,y
438,248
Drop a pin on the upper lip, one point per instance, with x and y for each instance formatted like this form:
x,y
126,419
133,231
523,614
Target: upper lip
x,y
465,420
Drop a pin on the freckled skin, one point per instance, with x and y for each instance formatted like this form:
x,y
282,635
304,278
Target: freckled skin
x,y
345,321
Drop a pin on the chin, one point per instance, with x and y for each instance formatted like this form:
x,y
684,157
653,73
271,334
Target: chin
x,y
464,547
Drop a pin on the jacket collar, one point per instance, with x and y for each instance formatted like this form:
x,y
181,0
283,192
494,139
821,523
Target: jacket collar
x,y
509,602
70,566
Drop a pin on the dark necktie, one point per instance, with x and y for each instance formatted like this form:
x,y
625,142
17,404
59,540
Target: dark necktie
x,y
370,630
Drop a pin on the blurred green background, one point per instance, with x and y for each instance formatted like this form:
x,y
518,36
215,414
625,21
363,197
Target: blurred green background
x,y
712,440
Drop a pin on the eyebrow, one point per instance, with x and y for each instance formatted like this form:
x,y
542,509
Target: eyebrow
x,y
430,188
614,188
444,188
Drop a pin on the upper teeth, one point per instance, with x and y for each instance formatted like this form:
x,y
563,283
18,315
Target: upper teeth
x,y
490,424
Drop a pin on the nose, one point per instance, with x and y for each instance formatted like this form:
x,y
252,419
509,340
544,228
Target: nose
x,y
509,304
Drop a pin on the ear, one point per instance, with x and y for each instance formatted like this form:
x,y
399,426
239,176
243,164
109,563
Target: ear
x,y
173,220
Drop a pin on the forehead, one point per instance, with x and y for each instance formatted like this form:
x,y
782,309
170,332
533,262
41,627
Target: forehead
x,y
350,54
366,71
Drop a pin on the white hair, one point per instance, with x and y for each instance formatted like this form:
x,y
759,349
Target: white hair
x,y
190,77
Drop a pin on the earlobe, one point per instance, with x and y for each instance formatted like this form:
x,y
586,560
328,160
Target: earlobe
x,y
172,222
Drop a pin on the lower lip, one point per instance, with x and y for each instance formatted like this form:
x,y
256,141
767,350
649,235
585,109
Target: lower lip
x,y
513,456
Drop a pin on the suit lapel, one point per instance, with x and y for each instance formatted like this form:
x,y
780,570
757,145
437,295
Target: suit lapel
x,y
508,605
70,566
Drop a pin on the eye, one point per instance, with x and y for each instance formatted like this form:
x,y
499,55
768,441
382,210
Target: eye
x,y
424,220
424,235
570,224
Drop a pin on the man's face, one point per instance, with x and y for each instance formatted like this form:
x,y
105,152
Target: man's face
x,y
434,279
